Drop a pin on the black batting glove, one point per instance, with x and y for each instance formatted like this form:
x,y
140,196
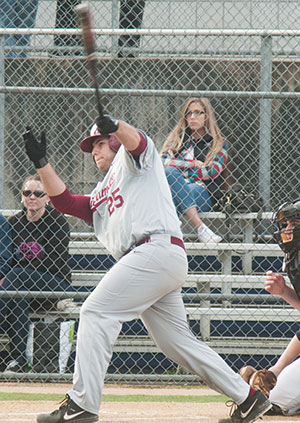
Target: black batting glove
x,y
107,124
36,151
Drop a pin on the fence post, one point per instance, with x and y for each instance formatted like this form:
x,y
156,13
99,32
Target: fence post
x,y
2,122
115,24
265,120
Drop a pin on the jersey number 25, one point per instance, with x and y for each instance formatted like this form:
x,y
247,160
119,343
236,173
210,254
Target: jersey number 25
x,y
114,201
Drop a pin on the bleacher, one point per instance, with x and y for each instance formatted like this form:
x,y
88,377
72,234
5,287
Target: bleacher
x,y
226,305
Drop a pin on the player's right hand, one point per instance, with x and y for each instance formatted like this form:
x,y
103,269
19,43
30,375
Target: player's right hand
x,y
274,283
107,124
36,151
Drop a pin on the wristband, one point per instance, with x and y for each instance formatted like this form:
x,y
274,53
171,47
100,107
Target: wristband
x,y
40,163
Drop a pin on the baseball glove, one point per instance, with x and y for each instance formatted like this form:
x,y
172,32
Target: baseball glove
x,y
264,379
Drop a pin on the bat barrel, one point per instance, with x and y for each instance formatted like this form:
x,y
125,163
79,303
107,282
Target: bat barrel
x,y
83,13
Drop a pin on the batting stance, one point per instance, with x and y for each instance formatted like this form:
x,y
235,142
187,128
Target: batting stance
x,y
134,218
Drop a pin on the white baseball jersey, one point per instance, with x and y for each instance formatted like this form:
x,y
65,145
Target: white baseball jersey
x,y
133,201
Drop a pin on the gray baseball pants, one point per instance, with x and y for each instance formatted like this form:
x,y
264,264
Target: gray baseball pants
x,y
146,283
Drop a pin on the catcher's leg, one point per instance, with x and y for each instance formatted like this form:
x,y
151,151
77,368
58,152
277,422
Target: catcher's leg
x,y
286,393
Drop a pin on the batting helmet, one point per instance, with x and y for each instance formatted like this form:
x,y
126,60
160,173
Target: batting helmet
x,y
288,239
86,145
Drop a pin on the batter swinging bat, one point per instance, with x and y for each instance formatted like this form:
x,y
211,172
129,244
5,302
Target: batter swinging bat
x,y
84,15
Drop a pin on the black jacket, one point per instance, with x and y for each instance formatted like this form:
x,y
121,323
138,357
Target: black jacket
x,y
41,245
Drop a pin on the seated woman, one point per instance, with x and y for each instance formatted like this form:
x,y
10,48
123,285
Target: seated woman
x,y
194,156
40,241
5,247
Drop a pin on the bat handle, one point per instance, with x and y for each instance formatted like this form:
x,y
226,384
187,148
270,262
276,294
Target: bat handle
x,y
99,104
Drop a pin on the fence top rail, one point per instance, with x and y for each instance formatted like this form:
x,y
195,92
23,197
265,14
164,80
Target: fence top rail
x,y
155,31
151,93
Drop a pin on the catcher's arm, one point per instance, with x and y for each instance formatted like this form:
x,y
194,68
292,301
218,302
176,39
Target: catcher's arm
x,y
290,353
275,284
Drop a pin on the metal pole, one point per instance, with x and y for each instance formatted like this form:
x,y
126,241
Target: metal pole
x,y
2,99
265,121
115,24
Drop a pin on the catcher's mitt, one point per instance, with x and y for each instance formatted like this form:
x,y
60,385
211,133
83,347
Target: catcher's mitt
x,y
264,380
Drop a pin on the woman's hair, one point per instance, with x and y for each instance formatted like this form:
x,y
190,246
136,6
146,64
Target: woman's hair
x,y
35,177
175,138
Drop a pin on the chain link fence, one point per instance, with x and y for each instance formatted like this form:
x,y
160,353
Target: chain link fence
x,y
152,57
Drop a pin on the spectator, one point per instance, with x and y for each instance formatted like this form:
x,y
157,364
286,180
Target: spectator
x,y
194,156
131,17
66,18
285,396
40,240
17,14
5,247
135,219
5,262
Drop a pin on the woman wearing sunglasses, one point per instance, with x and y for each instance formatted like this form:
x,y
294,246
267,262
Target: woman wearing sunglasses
x,y
40,241
194,156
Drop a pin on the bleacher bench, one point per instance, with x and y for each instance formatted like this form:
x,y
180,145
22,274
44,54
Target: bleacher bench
x,y
85,243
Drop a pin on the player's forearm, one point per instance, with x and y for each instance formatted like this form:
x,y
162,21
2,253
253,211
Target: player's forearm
x,y
290,353
51,181
128,136
290,296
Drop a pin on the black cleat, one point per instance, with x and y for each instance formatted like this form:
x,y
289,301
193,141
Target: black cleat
x,y
250,410
68,412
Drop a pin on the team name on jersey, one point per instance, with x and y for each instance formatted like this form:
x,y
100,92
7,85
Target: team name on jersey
x,y
113,200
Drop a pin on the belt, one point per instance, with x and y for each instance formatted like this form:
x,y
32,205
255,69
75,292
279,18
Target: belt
x,y
173,240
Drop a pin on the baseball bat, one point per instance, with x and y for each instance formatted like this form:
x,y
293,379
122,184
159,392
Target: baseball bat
x,y
84,15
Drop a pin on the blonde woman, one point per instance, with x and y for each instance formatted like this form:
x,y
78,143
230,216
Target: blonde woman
x,y
40,262
194,156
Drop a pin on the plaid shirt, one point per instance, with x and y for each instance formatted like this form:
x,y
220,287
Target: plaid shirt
x,y
184,160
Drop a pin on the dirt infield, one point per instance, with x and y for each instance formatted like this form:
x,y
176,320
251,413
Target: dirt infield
x,y
124,412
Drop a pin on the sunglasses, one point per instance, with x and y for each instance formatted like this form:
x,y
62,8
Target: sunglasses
x,y
38,194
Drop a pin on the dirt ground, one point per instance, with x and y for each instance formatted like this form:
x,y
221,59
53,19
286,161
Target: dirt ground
x,y
124,412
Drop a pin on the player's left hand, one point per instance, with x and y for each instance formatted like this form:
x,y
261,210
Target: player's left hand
x,y
107,124
36,151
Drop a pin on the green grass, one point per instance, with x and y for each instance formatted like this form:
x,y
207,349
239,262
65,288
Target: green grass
x,y
20,396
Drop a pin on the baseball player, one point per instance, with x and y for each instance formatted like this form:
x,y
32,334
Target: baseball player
x,y
281,382
134,217
285,396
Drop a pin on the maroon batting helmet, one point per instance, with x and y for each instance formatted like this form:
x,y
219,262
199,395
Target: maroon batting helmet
x,y
86,145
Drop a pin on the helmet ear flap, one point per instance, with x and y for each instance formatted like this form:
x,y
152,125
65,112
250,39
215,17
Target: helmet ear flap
x,y
114,143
